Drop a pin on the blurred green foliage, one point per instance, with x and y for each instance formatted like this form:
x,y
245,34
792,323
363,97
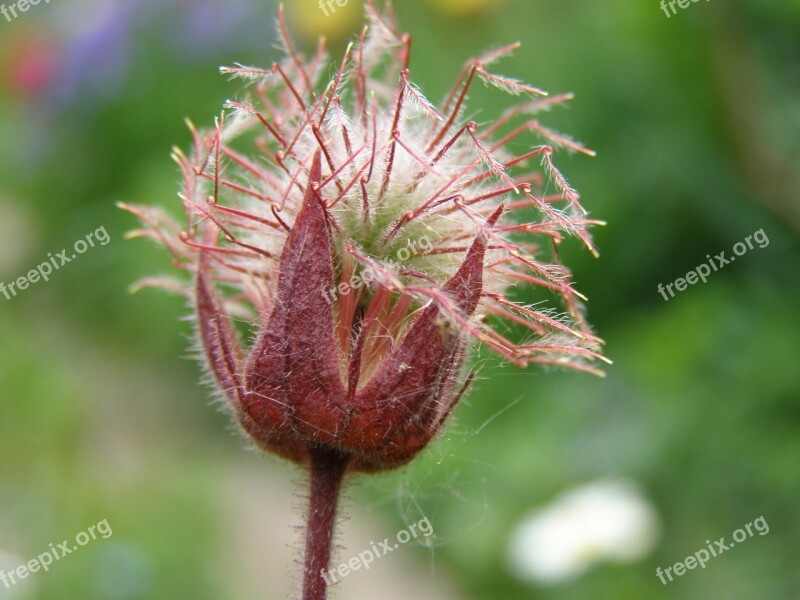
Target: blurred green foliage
x,y
695,119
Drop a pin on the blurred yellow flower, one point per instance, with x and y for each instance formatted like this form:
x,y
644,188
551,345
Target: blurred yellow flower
x,y
464,7
333,19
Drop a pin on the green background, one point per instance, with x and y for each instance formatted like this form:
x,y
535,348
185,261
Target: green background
x,y
696,121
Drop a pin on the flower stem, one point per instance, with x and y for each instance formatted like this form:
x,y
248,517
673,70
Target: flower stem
x,y
327,472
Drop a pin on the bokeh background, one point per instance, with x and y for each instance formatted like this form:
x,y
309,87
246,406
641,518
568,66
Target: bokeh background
x,y
696,120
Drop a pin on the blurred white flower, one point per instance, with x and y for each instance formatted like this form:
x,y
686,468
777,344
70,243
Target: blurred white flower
x,y
603,521
24,589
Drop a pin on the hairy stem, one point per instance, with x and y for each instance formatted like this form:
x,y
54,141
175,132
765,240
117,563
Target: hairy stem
x,y
327,471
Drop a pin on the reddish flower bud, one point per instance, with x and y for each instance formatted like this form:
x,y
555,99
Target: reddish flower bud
x,y
368,236
291,393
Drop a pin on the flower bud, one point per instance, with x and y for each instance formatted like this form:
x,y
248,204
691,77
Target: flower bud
x,y
369,239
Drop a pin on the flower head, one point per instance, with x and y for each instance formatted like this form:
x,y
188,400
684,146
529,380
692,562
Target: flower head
x,y
370,239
